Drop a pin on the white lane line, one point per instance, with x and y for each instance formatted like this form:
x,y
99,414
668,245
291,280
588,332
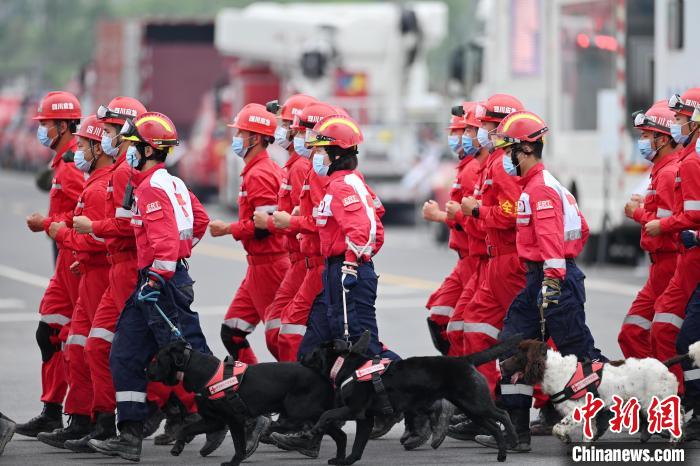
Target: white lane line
x,y
23,277
11,304
612,287
14,317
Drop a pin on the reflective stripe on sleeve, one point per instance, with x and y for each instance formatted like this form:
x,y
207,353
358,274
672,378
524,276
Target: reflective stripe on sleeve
x,y
170,266
122,213
103,333
555,264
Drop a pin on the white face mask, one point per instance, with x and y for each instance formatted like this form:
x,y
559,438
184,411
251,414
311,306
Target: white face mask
x,y
282,137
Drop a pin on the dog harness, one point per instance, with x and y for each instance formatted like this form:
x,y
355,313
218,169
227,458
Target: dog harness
x,y
586,379
370,371
225,383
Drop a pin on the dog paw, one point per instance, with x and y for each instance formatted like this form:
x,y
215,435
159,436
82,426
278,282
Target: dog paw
x,y
177,448
501,457
335,460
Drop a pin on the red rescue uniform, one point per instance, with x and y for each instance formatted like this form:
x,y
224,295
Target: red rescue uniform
x,y
635,337
504,276
268,258
294,173
670,306
56,308
91,252
446,305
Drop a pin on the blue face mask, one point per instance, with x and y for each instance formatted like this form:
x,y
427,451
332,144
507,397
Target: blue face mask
x,y
80,162
319,167
106,144
468,145
42,134
300,148
237,146
677,134
644,147
508,165
281,139
131,157
483,137
454,142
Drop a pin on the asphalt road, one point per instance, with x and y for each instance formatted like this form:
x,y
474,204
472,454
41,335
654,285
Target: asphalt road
x,y
410,267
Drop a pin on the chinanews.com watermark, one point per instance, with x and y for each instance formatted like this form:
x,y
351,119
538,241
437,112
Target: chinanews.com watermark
x,y
617,454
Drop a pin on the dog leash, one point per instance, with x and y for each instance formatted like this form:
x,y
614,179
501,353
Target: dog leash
x,y
173,328
542,320
346,329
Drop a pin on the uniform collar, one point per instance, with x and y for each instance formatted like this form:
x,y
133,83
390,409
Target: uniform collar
x,y
686,151
262,155
293,158
121,158
140,176
668,159
71,146
465,161
97,174
340,173
524,180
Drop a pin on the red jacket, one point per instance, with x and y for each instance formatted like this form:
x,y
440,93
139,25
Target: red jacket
x,y
292,183
116,227
475,229
168,220
550,228
261,183
312,191
348,220
91,248
66,186
686,195
467,176
658,203
499,204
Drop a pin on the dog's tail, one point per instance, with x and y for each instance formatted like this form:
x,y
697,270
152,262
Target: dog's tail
x,y
693,354
495,351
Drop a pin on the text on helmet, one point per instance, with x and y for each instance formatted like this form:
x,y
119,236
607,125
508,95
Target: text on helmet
x,y
125,111
503,109
259,119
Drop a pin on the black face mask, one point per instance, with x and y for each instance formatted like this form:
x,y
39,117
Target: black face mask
x,y
141,148
514,158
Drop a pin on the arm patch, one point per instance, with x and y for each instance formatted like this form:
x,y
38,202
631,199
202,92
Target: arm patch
x,y
352,199
153,206
545,204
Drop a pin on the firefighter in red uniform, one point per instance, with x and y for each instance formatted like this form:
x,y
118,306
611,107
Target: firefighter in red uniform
x,y
551,234
669,310
657,146
268,259
58,115
447,303
288,199
167,220
91,254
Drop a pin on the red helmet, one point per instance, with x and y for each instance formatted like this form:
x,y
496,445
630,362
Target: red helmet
x,y
520,127
256,119
58,105
335,130
294,105
312,114
91,128
496,107
153,128
463,116
470,114
457,123
685,103
119,109
658,118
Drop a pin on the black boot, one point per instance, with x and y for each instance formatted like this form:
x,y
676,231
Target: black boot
x,y
302,442
214,441
253,430
103,429
418,431
520,417
548,417
173,426
50,419
154,419
127,445
466,430
440,421
7,430
383,424
78,427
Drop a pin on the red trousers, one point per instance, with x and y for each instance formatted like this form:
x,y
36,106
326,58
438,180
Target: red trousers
x,y
159,394
123,275
93,283
669,310
443,302
56,310
254,296
483,317
635,335
455,327
288,288
296,314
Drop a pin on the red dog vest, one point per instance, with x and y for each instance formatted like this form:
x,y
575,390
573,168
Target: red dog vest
x,y
224,379
586,379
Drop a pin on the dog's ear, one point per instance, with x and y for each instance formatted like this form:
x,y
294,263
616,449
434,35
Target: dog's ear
x,y
361,345
536,361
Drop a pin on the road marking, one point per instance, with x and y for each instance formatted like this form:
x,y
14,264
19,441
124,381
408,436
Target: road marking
x,y
23,277
14,317
604,286
11,304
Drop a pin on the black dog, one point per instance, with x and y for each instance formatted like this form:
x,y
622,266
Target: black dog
x,y
297,392
410,385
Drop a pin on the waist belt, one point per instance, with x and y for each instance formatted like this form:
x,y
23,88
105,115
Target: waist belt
x,y
119,257
265,259
295,257
493,251
313,262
